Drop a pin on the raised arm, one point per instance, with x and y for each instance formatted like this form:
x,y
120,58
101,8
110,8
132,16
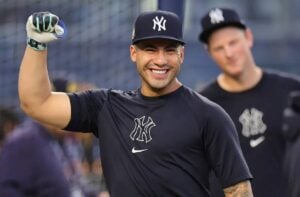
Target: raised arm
x,y
242,189
36,98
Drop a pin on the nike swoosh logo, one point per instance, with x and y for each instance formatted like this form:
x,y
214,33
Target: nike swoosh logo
x,y
256,142
138,150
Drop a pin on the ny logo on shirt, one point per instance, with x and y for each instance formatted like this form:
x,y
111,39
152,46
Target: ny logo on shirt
x,y
252,122
216,16
142,128
160,23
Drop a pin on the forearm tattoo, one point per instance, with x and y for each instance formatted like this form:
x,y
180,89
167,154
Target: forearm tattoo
x,y
242,189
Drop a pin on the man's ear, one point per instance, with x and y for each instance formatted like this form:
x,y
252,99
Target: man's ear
x,y
182,54
132,49
206,48
249,37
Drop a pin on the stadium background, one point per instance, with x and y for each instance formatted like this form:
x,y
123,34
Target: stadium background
x,y
99,33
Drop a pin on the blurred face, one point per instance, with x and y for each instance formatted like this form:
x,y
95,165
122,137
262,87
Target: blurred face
x,y
158,64
230,48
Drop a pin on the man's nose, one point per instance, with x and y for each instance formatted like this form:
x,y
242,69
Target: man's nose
x,y
161,58
228,51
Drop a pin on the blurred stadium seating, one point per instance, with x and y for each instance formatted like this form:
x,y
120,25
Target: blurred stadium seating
x,y
99,33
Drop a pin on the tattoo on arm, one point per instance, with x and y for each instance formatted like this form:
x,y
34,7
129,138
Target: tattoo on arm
x,y
241,189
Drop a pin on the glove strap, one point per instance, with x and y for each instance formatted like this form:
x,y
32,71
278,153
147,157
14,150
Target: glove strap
x,y
36,45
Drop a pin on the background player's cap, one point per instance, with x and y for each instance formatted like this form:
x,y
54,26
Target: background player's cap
x,y
157,24
217,18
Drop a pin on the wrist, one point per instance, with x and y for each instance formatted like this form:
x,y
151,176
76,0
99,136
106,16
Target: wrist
x,y
38,46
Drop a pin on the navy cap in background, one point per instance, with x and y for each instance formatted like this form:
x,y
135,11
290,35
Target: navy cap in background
x,y
157,24
217,18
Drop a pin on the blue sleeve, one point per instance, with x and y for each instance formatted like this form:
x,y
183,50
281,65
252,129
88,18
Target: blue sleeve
x,y
85,107
223,148
16,166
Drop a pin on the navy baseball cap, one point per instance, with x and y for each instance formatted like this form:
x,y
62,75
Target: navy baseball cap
x,y
157,24
217,18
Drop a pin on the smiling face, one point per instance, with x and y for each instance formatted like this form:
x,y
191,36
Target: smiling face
x,y
158,64
230,48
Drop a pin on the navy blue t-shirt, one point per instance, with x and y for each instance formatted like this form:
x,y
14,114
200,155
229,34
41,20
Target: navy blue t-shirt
x,y
160,146
28,165
257,114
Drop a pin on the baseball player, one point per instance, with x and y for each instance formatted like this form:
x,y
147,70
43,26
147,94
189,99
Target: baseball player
x,y
254,98
291,130
161,139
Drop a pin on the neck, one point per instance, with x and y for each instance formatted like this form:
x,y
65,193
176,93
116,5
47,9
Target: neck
x,y
154,92
245,81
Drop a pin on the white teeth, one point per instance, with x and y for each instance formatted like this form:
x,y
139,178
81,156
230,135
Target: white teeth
x,y
159,71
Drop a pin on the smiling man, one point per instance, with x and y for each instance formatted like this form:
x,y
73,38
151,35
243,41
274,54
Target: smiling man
x,y
161,139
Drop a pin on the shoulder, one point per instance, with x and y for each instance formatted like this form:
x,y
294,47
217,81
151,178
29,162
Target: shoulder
x,y
92,93
201,103
27,134
280,82
281,76
123,93
210,88
193,96
101,94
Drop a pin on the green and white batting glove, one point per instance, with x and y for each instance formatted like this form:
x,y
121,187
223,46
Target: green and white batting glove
x,y
42,28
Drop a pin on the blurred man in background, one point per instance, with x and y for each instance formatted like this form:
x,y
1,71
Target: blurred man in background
x,y
254,98
291,130
39,160
29,165
9,119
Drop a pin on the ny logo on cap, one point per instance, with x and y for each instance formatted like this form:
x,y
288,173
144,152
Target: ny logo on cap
x,y
216,16
160,23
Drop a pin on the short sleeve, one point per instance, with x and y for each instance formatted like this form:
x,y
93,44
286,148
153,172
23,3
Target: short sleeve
x,y
85,107
223,147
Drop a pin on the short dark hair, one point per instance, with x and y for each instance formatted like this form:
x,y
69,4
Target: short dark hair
x,y
7,115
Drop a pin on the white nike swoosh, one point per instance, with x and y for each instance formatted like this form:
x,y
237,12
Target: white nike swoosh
x,y
137,150
256,142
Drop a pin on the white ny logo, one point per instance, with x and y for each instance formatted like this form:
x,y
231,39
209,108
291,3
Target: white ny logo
x,y
142,128
252,122
161,23
216,16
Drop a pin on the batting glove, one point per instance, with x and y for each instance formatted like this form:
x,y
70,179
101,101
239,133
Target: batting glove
x,y
42,28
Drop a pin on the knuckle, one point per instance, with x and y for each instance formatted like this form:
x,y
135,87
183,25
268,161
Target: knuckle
x,y
44,21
